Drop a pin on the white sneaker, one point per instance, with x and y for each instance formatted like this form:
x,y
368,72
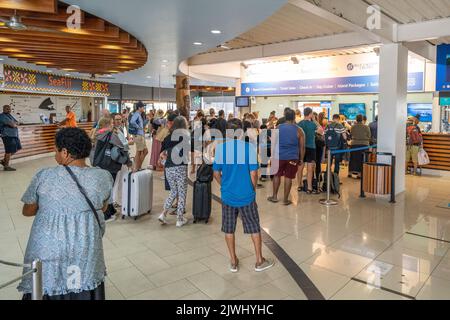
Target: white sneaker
x,y
162,218
181,223
113,218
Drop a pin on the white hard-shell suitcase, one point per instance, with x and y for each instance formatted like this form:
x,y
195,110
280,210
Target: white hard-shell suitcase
x,y
137,194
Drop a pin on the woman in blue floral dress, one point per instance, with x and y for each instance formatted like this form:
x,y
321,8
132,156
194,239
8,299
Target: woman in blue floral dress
x,y
66,234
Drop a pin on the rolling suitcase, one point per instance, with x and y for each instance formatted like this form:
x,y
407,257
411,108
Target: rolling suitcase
x,y
137,196
202,201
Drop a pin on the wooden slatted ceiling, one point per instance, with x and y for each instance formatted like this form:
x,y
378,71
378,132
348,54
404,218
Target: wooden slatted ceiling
x,y
409,11
289,23
98,48
46,6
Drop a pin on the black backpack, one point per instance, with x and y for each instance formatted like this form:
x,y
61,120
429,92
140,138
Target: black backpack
x,y
335,183
333,139
102,156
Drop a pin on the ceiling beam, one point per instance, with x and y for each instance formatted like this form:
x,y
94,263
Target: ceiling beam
x,y
325,11
427,30
345,40
353,15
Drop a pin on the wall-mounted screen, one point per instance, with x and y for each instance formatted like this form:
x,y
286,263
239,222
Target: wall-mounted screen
x,y
422,111
243,102
351,110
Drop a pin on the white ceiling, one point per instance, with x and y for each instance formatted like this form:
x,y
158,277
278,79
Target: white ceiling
x,y
168,29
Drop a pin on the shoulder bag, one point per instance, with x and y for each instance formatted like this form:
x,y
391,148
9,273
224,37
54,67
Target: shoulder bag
x,y
83,192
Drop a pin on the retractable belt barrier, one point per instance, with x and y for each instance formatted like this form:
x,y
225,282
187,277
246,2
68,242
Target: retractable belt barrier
x,y
328,201
36,271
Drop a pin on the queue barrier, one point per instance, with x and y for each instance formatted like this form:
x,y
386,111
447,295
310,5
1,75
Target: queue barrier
x,y
378,178
36,272
328,201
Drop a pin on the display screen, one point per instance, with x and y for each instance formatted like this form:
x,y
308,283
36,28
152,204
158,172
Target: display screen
x,y
422,111
242,102
351,110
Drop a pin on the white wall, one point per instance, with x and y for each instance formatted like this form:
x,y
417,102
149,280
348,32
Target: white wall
x,y
266,105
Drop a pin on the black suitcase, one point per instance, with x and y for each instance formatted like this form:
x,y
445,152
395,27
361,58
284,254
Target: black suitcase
x,y
202,201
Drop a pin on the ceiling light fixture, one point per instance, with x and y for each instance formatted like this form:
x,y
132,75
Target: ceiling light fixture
x,y
165,61
216,31
197,43
149,77
110,47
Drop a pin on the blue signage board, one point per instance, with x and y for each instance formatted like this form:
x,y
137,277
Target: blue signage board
x,y
359,84
443,68
423,111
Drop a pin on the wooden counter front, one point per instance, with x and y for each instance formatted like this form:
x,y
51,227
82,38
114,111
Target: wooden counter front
x,y
39,139
438,148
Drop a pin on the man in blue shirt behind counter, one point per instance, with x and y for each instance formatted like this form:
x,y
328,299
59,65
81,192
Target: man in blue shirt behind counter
x,y
236,170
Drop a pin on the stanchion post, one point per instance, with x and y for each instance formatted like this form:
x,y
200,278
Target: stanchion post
x,y
394,163
328,201
362,194
37,293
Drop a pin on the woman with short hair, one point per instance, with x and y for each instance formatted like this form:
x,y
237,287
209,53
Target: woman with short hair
x,y
68,202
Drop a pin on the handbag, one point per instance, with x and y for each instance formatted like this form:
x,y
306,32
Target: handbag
x,y
424,159
103,156
162,133
83,192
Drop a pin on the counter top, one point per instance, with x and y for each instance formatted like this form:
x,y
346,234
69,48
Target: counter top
x,y
39,139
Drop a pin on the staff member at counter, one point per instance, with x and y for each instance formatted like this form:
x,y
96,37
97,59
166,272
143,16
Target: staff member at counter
x,y
71,119
10,136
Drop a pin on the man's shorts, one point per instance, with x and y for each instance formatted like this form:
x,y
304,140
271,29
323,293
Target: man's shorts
x,y
12,144
139,141
310,155
249,215
287,168
412,153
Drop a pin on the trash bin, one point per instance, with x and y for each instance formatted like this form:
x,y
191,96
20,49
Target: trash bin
x,y
377,178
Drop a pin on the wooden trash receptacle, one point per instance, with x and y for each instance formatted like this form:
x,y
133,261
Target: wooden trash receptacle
x,y
377,178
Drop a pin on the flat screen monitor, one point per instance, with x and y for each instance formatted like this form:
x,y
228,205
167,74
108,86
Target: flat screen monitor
x,y
243,102
351,110
422,111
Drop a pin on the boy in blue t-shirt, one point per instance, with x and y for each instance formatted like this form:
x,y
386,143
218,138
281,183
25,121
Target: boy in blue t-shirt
x,y
236,170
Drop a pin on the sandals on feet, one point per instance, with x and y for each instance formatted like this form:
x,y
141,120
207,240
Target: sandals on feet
x,y
273,200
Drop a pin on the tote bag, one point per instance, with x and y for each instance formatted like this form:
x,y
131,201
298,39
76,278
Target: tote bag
x,y
423,158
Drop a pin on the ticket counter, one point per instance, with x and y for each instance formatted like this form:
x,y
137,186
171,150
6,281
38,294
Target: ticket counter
x,y
438,148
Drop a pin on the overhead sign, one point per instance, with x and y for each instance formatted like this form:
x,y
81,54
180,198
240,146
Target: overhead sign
x,y
363,84
17,78
328,75
443,68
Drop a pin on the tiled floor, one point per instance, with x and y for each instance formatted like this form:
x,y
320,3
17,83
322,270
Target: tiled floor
x,y
359,239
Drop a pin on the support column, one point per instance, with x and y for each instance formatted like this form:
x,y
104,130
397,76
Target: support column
x,y
436,124
183,96
392,108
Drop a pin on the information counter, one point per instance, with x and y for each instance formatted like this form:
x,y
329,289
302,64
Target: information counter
x,y
39,139
438,148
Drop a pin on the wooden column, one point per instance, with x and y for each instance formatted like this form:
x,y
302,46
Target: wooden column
x,y
183,96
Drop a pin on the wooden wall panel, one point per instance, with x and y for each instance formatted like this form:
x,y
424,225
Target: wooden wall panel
x,y
39,139
438,148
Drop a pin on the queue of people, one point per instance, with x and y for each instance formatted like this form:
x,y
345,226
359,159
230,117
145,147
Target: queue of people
x,y
69,228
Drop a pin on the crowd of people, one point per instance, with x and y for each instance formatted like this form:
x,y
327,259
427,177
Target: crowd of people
x,y
69,229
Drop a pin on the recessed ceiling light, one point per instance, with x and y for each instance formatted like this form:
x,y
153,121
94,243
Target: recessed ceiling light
x,y
165,61
198,44
216,31
149,77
